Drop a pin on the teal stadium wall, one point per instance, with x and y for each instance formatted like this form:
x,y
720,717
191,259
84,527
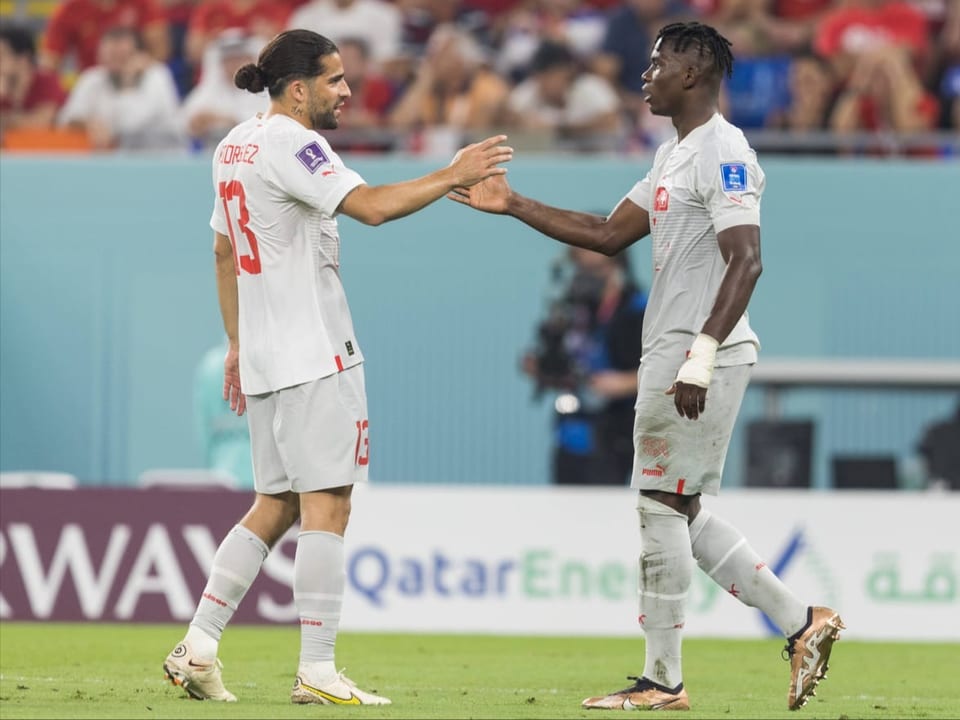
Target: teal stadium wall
x,y
107,302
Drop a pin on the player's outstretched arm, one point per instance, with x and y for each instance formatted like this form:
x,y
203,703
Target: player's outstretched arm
x,y
379,204
609,235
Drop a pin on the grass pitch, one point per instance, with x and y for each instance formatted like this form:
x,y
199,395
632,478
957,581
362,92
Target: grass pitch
x,y
114,671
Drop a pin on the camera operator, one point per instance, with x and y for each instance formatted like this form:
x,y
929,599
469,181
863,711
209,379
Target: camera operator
x,y
587,353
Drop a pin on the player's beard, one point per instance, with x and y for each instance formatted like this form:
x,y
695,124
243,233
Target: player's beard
x,y
323,119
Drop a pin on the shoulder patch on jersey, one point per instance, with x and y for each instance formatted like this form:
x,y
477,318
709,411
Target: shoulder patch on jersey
x,y
733,176
312,156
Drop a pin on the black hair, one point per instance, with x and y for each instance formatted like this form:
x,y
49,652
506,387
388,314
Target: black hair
x,y
708,42
19,39
551,54
291,55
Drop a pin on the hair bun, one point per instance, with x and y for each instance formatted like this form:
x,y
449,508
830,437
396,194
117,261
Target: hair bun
x,y
250,77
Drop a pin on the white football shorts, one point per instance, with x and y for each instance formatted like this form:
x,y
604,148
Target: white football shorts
x,y
311,436
675,454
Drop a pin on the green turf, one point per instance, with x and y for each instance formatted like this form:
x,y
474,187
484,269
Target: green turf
x,y
114,671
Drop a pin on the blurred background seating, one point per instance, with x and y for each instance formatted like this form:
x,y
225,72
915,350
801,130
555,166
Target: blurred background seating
x,y
870,77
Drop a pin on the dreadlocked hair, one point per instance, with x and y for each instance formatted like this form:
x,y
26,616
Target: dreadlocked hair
x,y
684,35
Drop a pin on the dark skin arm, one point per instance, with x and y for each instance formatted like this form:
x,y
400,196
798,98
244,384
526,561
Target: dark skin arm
x,y
608,235
740,249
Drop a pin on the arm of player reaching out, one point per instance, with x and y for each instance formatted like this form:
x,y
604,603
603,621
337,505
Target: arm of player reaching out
x,y
608,235
379,204
740,248
230,312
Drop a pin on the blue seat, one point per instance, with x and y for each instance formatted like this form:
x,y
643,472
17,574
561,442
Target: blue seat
x,y
758,87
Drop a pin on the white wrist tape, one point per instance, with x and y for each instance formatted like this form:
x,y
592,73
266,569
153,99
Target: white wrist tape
x,y
698,369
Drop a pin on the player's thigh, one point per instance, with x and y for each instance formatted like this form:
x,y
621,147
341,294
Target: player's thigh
x,y
678,455
322,433
269,473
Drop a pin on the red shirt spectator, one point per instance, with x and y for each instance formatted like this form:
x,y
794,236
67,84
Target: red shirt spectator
x,y
261,18
77,25
855,28
44,88
800,9
29,97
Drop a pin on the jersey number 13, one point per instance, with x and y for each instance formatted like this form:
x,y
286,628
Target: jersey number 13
x,y
249,262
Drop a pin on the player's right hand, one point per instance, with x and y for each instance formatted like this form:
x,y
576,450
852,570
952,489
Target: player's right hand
x,y
231,381
480,160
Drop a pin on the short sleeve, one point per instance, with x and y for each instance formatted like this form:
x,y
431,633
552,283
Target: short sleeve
x,y
640,194
730,183
218,220
305,166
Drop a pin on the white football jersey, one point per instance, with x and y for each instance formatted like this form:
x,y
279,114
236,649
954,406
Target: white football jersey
x,y
696,188
277,188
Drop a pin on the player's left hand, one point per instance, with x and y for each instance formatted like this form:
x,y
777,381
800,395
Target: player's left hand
x,y
690,400
231,381
689,389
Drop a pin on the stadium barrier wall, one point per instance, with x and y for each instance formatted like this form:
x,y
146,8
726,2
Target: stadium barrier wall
x,y
541,561
107,303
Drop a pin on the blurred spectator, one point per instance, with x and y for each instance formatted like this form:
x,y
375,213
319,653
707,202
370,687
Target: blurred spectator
x,y
76,26
884,93
257,18
856,27
793,22
363,118
217,104
29,97
557,97
624,56
588,352
128,100
177,13
948,67
811,95
224,436
573,22
754,29
950,94
625,52
453,89
377,22
419,18
940,450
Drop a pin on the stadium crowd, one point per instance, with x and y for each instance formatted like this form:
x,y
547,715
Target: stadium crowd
x,y
425,74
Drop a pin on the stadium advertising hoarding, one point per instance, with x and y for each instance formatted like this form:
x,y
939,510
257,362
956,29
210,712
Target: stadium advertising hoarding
x,y
557,561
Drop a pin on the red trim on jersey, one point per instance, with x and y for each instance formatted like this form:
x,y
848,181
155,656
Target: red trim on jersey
x,y
339,362
680,483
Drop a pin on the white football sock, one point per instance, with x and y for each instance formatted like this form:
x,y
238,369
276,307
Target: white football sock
x,y
724,554
319,579
235,567
666,571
